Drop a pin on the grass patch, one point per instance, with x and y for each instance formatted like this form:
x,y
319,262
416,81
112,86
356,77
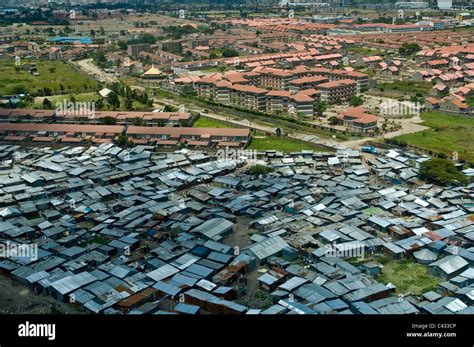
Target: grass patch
x,y
259,300
408,276
366,51
204,122
80,97
93,97
283,144
213,69
57,76
413,87
447,133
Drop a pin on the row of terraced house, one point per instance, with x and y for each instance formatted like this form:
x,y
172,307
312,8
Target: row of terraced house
x,y
88,115
158,128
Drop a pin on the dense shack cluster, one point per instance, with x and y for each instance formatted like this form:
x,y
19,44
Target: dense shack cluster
x,y
138,232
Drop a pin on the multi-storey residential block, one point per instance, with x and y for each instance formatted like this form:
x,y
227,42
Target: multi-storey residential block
x,y
307,82
338,91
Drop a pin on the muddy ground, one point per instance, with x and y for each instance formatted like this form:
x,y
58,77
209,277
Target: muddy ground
x,y
15,298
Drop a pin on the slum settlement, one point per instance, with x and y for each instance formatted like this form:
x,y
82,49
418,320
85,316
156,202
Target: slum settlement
x,y
134,231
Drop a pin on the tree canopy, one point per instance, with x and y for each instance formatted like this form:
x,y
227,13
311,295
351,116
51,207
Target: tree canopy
x,y
441,171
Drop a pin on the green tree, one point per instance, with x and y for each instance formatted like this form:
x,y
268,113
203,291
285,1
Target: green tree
x,y
47,104
128,104
113,100
333,120
170,108
258,170
99,104
229,53
137,121
356,100
122,140
320,107
109,120
122,45
408,49
441,171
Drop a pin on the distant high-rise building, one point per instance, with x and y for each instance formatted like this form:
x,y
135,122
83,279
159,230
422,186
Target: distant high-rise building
x,y
134,49
445,4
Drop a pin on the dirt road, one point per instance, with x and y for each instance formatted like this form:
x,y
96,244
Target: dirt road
x,y
88,67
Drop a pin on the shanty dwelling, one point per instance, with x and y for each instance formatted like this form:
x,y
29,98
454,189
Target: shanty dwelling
x,y
432,296
137,299
394,251
425,256
398,232
469,274
228,182
446,288
212,304
227,293
215,228
62,288
371,268
270,280
448,267
187,309
379,223
460,281
466,294
370,293
437,246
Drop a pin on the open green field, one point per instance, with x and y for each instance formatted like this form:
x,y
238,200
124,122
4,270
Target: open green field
x,y
366,51
408,276
283,144
413,87
80,97
58,76
204,122
447,133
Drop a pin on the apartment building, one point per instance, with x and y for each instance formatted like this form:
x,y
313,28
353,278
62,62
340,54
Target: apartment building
x,y
296,89
249,97
303,104
278,101
361,78
206,88
134,50
307,82
283,101
337,91
274,78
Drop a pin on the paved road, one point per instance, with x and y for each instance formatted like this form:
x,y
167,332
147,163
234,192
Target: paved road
x,y
409,125
239,122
